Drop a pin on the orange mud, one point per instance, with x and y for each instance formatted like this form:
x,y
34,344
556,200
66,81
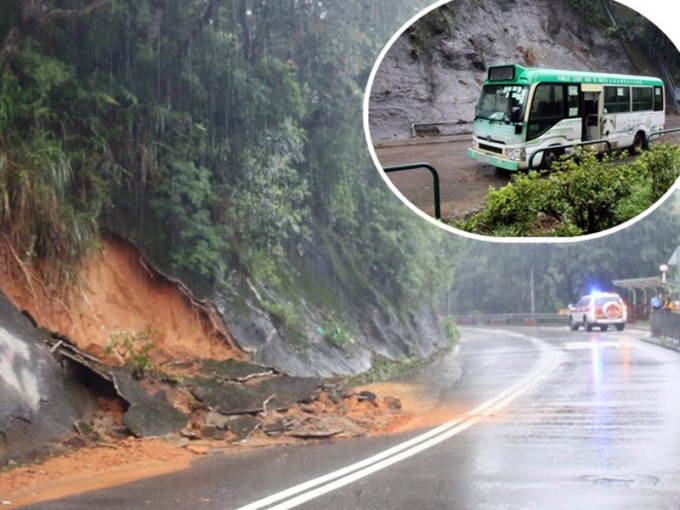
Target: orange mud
x,y
423,411
92,468
99,467
117,291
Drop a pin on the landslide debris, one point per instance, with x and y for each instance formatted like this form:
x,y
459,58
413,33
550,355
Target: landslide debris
x,y
157,362
225,402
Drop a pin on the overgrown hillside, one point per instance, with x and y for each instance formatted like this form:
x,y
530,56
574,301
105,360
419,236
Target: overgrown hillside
x,y
224,137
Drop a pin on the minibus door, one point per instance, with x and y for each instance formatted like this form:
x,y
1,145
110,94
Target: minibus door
x,y
592,111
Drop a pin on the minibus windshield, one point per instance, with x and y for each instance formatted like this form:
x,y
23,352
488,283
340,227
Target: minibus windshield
x,y
502,102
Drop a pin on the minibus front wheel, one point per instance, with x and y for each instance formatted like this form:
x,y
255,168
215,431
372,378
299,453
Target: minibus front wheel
x,y
550,157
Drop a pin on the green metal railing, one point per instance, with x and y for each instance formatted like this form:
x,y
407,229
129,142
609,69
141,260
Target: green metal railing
x,y
435,179
659,133
567,146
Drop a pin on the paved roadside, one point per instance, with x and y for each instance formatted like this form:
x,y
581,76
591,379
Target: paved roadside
x,y
669,343
646,335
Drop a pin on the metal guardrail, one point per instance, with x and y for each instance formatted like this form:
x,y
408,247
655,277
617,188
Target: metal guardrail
x,y
665,329
425,129
513,318
568,146
664,324
435,179
659,133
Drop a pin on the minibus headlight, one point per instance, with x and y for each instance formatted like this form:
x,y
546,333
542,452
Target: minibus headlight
x,y
516,154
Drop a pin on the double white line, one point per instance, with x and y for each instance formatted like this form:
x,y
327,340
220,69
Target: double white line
x,y
299,494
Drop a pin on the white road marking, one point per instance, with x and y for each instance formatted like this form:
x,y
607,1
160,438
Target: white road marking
x,y
316,487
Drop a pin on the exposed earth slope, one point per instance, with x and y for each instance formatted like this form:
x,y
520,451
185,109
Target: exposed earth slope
x,y
124,355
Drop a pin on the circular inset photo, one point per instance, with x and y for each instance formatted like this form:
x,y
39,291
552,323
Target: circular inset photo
x,y
528,118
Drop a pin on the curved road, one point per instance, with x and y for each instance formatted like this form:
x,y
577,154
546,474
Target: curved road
x,y
540,418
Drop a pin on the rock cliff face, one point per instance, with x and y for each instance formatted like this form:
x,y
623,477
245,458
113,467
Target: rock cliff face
x,y
37,403
377,328
433,72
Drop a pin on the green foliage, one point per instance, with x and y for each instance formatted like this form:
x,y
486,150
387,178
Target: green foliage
x,y
383,369
41,192
592,11
662,166
185,201
265,269
337,335
133,349
400,259
424,30
581,5
217,142
620,31
282,314
582,195
451,330
42,74
496,277
268,206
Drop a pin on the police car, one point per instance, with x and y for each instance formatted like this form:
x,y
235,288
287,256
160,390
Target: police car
x,y
601,309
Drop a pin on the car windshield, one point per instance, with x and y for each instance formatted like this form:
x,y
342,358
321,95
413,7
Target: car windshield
x,y
604,300
497,102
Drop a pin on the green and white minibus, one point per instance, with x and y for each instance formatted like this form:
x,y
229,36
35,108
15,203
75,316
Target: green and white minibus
x,y
522,110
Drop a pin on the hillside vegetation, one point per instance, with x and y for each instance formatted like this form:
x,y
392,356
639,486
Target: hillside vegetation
x,y
223,137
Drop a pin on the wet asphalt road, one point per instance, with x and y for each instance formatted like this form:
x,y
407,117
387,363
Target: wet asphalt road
x,y
463,182
547,419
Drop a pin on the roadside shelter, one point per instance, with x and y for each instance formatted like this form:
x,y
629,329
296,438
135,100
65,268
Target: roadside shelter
x,y
640,291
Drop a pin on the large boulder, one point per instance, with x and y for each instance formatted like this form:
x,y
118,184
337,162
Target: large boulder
x,y
37,404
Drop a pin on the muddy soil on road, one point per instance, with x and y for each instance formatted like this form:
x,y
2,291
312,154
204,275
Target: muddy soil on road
x,y
463,185
74,469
